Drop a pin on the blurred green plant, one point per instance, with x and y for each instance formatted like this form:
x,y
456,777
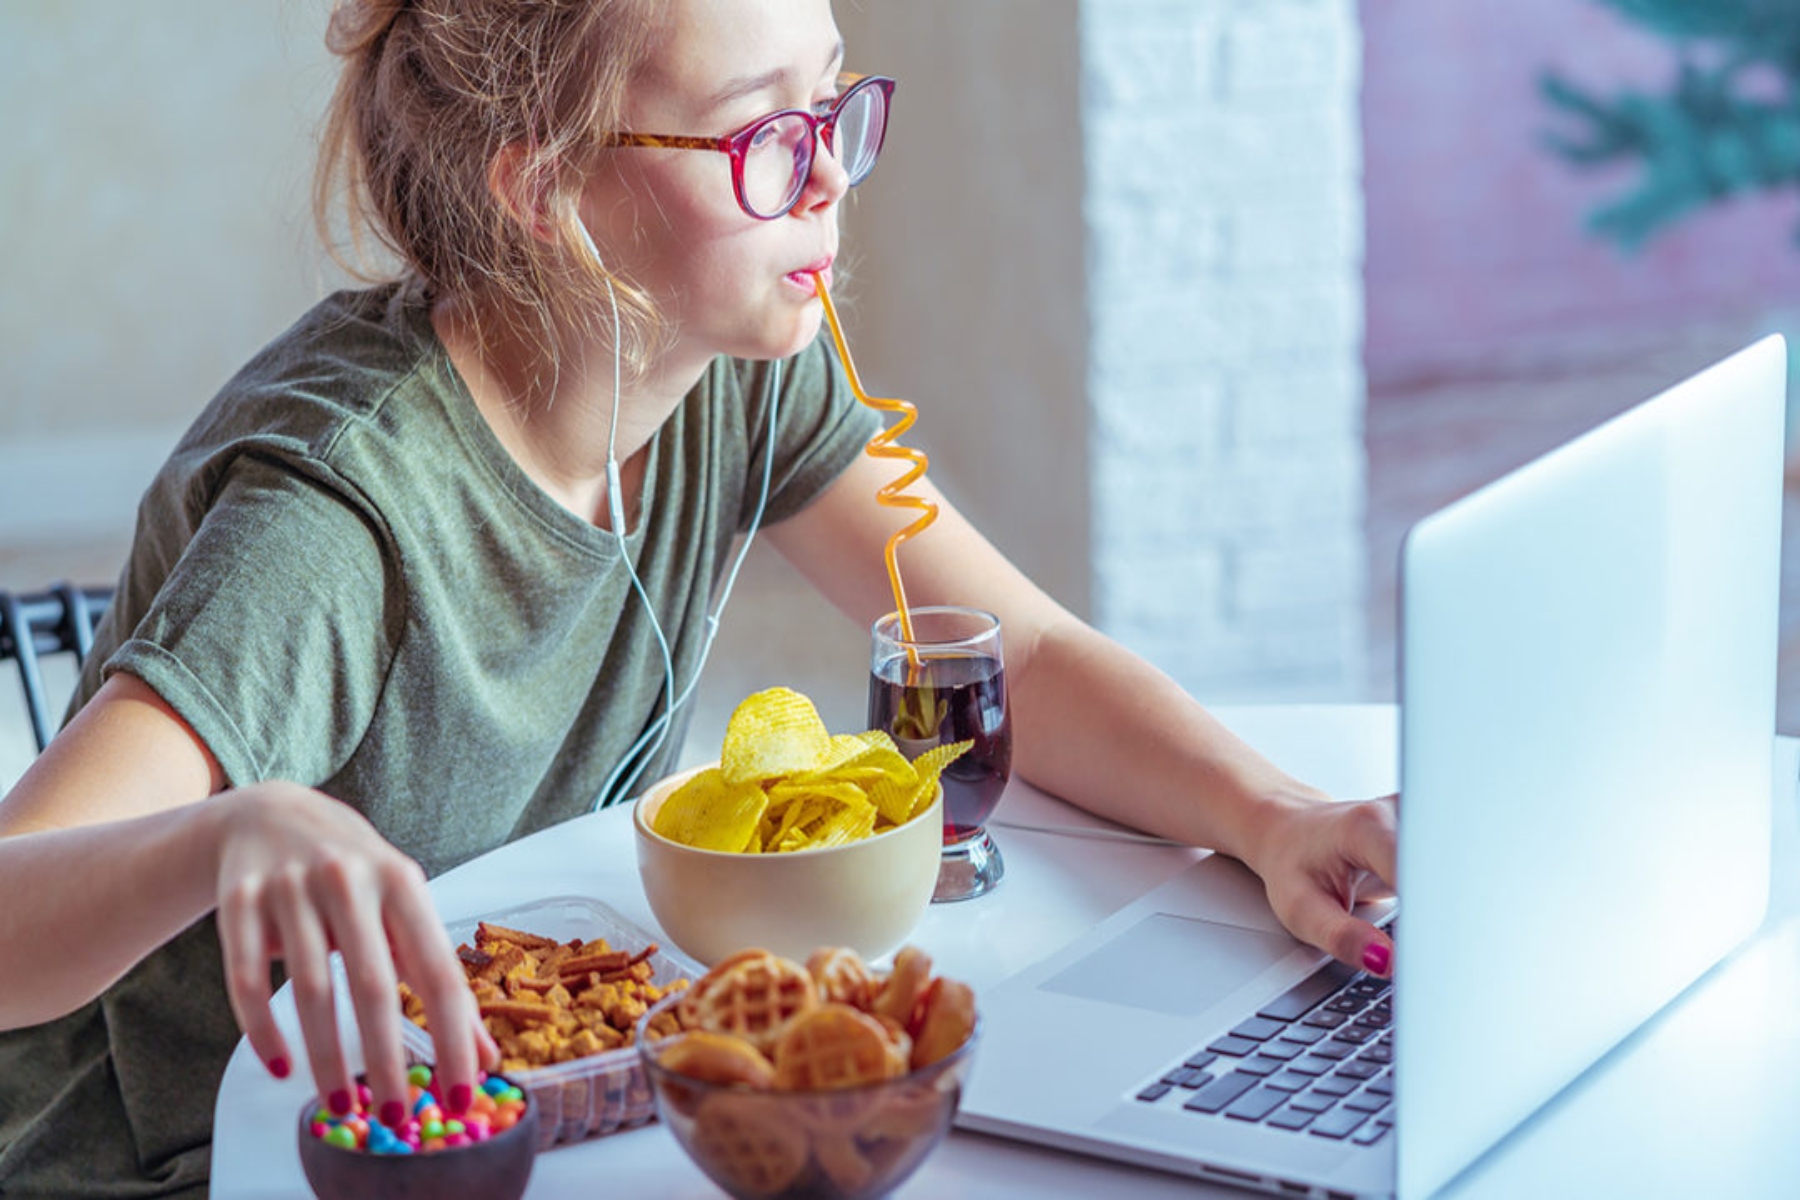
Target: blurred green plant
x,y
1728,125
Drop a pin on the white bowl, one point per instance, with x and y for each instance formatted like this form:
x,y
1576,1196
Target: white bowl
x,y
866,895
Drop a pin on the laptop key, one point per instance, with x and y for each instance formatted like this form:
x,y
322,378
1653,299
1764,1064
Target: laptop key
x,y
1338,1123
1233,1045
1359,1070
1305,1034
1304,996
1254,1106
1291,1118
1325,1019
1202,1058
1369,1134
1155,1091
1312,1064
1312,1102
1220,1092
1290,1081
1258,1029
1282,1049
1335,1085
1366,1101
1260,1065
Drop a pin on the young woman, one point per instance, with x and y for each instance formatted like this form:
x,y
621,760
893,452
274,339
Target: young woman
x,y
401,593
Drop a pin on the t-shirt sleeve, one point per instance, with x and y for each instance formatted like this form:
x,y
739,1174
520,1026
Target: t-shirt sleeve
x,y
272,636
820,429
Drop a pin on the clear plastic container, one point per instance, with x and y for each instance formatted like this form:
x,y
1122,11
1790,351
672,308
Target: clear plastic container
x,y
584,1097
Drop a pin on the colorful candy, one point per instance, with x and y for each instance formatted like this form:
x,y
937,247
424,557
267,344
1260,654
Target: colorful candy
x,y
497,1107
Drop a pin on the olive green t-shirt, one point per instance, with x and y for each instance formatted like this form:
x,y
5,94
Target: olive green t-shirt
x,y
340,577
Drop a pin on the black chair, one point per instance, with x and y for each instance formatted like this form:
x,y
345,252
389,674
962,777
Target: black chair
x,y
59,621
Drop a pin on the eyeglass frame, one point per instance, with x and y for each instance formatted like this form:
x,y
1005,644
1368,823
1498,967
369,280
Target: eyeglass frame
x,y
737,144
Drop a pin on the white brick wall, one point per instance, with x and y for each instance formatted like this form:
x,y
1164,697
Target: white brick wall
x,y
1224,225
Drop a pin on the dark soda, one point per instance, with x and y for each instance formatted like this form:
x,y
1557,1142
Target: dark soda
x,y
948,699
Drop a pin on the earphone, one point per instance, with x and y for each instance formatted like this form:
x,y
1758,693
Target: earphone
x,y
651,740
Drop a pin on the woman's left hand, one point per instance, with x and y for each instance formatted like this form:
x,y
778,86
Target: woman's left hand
x,y
1318,859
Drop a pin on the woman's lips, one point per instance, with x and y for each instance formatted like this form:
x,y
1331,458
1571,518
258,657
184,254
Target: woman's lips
x,y
804,276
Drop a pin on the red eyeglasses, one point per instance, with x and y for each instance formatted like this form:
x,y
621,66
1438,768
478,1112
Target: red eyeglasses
x,y
772,157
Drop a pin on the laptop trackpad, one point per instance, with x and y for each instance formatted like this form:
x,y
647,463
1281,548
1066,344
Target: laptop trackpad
x,y
1169,964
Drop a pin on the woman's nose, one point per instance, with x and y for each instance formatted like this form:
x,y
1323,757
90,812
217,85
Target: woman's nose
x,y
826,179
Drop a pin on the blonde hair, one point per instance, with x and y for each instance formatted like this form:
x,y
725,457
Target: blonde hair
x,y
431,92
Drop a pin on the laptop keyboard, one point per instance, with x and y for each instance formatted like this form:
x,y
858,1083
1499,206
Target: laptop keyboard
x,y
1318,1060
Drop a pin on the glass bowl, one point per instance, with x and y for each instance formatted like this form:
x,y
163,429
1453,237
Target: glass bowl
x,y
843,1144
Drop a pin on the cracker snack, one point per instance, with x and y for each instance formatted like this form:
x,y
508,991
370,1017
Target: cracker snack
x,y
560,984
546,1001
815,1078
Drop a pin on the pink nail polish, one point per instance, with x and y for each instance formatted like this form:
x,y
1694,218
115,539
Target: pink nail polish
x,y
460,1098
1375,959
340,1102
278,1067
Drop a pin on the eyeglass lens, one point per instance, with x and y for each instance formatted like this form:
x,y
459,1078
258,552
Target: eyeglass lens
x,y
779,158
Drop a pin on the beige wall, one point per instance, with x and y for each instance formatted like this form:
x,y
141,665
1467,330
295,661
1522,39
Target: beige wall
x,y
153,209
967,257
153,175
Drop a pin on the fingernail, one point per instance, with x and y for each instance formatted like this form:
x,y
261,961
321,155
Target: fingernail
x,y
460,1098
1375,958
393,1114
340,1102
278,1067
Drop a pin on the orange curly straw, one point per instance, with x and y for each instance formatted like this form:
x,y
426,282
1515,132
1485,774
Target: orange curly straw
x,y
885,445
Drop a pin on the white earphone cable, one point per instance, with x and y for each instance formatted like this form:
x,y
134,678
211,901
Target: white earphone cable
x,y
644,749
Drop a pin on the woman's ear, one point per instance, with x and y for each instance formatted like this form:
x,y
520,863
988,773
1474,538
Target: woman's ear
x,y
522,192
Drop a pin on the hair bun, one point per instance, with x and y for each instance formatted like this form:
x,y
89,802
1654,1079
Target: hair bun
x,y
357,25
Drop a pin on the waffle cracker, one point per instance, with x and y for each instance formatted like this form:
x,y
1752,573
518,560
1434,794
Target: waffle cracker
x,y
752,995
843,977
746,1145
832,1046
717,1058
948,1020
899,996
841,1161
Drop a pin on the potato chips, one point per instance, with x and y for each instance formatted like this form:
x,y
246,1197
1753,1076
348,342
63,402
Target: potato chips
x,y
785,783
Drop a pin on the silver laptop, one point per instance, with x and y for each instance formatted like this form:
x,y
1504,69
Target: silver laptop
x,y
1587,675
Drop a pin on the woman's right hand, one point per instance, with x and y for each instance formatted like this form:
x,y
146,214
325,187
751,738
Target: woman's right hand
x,y
301,875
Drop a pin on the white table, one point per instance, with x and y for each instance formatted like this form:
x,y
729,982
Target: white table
x,y
1700,1102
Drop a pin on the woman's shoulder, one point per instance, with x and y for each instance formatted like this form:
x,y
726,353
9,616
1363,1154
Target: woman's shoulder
x,y
338,367
352,348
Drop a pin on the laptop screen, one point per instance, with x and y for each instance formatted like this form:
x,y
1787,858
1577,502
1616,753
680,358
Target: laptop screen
x,y
1587,686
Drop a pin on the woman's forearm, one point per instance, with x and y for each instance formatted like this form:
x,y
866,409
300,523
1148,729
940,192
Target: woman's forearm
x,y
84,905
1103,729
